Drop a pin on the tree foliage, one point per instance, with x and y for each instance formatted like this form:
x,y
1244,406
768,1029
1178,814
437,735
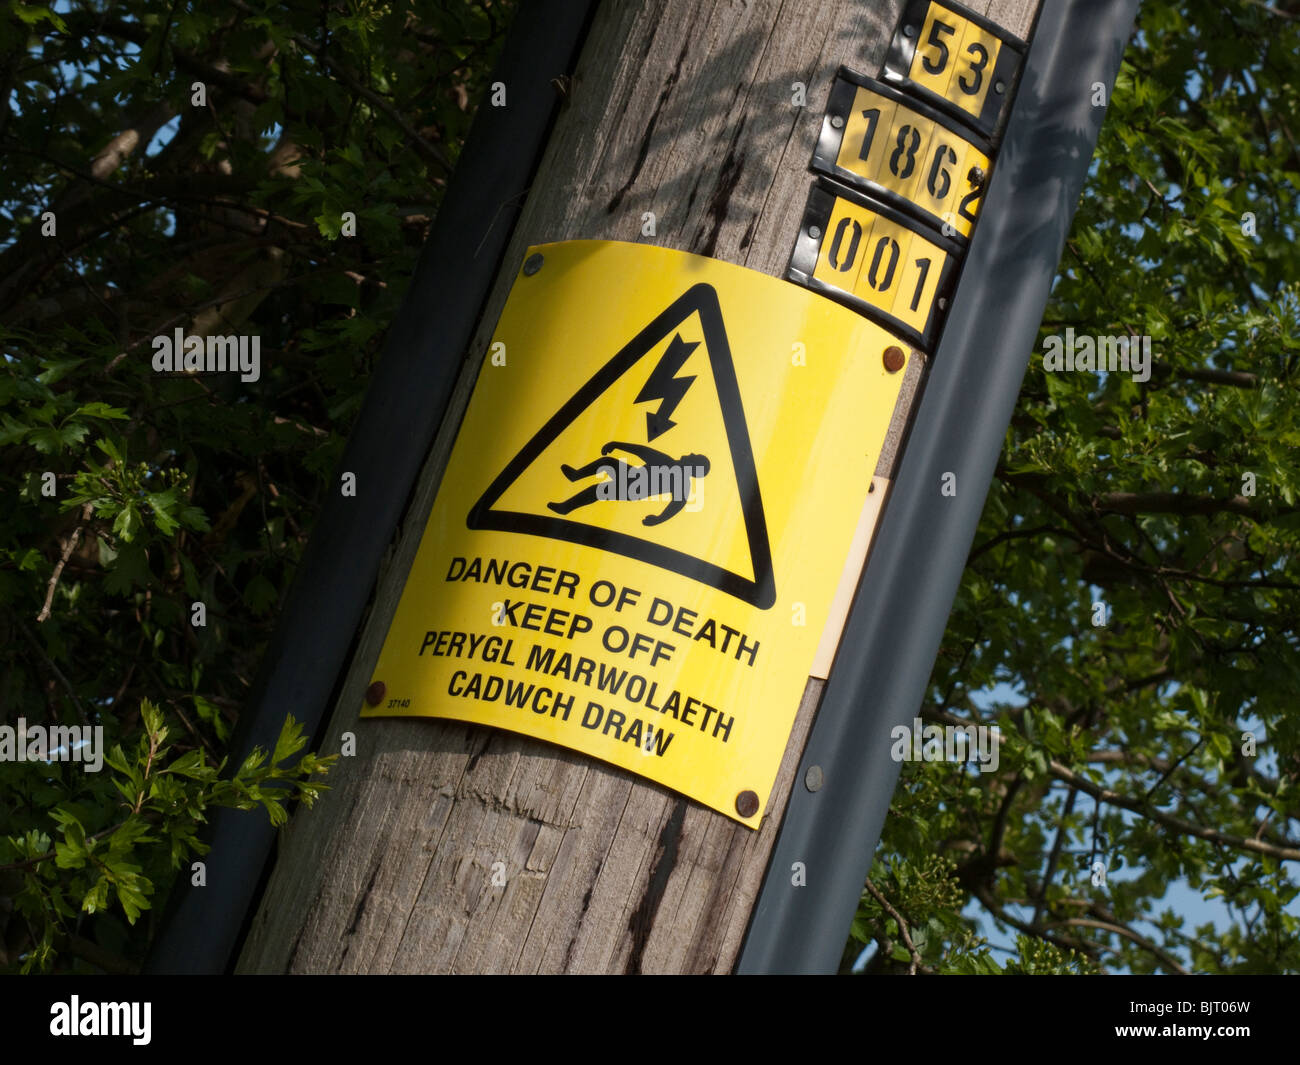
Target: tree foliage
x,y
1124,742
233,169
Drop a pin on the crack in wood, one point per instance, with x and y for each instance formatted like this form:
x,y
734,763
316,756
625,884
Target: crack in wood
x,y
749,233
728,179
473,759
644,149
302,928
501,805
573,940
643,918
357,913
293,951
690,200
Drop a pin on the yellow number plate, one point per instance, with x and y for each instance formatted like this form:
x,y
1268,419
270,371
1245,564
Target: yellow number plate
x,y
885,265
956,58
886,144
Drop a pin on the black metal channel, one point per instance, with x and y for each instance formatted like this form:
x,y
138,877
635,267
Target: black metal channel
x,y
404,407
902,603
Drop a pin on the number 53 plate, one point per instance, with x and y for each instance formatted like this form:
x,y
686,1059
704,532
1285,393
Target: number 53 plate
x,y
883,142
956,59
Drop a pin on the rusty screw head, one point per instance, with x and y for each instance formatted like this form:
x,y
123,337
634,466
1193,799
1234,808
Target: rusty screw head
x,y
894,358
532,264
747,803
976,176
375,693
836,121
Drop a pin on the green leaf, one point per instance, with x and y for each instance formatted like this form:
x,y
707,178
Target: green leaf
x,y
290,742
98,409
194,765
260,595
50,440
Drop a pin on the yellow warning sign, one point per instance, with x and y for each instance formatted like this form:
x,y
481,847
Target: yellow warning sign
x,y
645,516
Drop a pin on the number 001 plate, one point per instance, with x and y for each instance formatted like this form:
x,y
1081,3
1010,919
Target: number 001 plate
x,y
958,60
887,266
883,142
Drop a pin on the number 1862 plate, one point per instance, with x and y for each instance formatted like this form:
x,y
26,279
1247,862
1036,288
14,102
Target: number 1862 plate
x,y
885,143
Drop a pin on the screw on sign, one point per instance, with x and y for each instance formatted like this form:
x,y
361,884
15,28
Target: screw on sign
x,y
747,803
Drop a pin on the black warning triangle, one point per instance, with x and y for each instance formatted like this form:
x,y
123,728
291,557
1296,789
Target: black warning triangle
x,y
701,299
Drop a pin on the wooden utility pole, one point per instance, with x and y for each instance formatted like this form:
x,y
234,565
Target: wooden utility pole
x,y
685,110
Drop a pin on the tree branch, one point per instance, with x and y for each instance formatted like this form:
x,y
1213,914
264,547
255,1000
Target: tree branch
x,y
1137,806
68,548
1235,378
903,932
95,954
1054,856
1173,503
1168,959
990,903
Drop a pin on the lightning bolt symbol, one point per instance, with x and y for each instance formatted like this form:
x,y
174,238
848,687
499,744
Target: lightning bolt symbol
x,y
665,386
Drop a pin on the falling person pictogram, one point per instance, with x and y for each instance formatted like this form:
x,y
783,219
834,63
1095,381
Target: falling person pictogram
x,y
687,546
628,482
